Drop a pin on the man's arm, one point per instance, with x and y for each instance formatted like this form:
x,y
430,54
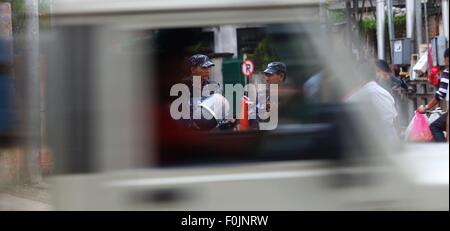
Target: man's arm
x,y
422,109
441,93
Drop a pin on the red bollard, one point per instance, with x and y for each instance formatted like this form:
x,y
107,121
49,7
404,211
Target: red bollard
x,y
243,122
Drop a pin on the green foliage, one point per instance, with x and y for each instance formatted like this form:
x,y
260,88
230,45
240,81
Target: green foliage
x,y
18,16
263,55
368,25
400,26
399,20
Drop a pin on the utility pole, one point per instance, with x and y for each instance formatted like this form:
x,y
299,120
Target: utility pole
x,y
32,91
409,18
444,5
427,32
418,15
390,25
380,29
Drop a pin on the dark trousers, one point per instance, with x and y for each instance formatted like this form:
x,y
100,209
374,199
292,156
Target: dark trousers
x,y
438,128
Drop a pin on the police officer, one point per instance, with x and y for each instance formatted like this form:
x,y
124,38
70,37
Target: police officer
x,y
199,65
275,73
213,107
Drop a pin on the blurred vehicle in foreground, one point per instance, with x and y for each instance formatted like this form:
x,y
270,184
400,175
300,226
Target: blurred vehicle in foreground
x,y
116,146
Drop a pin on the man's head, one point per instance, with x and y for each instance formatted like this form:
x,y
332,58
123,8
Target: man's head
x,y
365,71
275,73
383,71
200,66
446,57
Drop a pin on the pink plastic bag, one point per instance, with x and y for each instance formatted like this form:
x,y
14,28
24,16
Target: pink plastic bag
x,y
420,130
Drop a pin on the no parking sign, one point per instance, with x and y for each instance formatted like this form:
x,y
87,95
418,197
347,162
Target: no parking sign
x,y
248,67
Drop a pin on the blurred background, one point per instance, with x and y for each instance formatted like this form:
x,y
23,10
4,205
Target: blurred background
x,y
85,99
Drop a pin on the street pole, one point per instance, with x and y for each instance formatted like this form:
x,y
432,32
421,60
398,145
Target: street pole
x,y
390,26
380,29
419,39
427,37
32,88
444,5
409,18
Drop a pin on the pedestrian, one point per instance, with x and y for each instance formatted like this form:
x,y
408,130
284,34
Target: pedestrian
x,y
386,77
378,101
441,124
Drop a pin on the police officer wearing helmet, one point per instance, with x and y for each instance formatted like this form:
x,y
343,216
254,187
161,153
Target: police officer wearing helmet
x,y
213,107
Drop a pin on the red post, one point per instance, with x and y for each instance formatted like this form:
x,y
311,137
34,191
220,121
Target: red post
x,y
243,122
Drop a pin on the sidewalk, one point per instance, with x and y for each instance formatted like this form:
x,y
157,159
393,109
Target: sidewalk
x,y
12,203
22,197
25,198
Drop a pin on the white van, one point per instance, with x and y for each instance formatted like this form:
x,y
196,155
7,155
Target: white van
x,y
111,65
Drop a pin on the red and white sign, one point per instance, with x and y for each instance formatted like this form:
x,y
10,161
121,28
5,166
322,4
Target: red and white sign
x,y
248,67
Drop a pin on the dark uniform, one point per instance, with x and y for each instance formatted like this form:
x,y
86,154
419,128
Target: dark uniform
x,y
272,68
194,103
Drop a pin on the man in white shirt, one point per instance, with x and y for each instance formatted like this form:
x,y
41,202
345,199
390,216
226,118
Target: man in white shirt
x,y
371,95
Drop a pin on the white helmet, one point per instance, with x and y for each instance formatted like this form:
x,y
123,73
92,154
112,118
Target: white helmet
x,y
214,109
